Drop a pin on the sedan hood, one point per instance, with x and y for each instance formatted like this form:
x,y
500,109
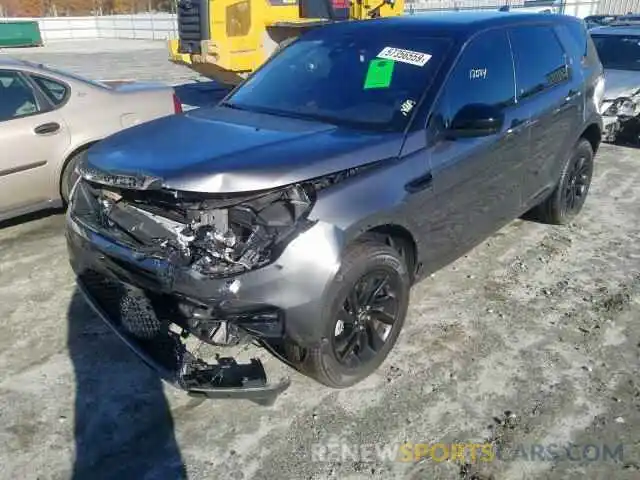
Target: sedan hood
x,y
220,150
620,83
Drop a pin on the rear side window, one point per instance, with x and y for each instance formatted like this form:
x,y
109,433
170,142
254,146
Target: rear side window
x,y
578,42
574,38
539,59
17,98
483,74
55,91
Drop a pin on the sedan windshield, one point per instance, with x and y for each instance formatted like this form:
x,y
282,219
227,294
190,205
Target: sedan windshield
x,y
346,80
618,52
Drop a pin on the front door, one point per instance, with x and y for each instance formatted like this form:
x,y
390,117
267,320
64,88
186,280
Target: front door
x,y
477,181
33,137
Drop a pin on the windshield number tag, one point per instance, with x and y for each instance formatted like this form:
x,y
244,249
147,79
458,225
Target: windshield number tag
x,y
405,56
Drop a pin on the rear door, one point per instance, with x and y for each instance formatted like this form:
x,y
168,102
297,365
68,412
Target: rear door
x,y
33,138
477,180
550,90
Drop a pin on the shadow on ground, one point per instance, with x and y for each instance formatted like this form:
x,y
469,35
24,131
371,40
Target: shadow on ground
x,y
30,217
123,424
201,94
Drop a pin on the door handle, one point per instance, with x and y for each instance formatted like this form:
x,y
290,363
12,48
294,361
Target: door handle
x,y
517,125
46,128
571,95
420,183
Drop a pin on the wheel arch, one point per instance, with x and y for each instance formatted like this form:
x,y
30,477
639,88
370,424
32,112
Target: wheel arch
x,y
398,237
593,134
85,146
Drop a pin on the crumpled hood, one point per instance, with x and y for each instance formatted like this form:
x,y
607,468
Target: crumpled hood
x,y
220,150
620,83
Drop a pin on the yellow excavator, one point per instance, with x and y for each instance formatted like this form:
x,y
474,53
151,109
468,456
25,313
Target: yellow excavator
x,y
226,40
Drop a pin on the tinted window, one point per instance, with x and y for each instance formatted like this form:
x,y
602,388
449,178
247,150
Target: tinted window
x,y
539,59
578,42
17,99
483,74
55,91
574,38
620,52
340,79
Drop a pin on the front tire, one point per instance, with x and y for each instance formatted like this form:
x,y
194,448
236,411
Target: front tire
x,y
567,199
365,311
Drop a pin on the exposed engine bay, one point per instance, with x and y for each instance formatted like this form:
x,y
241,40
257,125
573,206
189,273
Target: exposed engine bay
x,y
216,236
621,119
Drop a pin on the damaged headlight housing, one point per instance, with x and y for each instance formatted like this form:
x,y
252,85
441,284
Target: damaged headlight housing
x,y
249,235
218,235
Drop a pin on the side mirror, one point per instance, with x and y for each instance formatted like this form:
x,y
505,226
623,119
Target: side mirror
x,y
475,120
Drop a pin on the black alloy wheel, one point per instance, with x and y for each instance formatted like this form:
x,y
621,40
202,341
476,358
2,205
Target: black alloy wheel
x,y
366,318
365,309
566,200
576,185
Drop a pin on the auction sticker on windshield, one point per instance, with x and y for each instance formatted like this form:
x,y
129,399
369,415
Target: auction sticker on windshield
x,y
379,73
405,56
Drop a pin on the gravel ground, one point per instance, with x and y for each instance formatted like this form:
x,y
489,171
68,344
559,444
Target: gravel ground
x,y
531,339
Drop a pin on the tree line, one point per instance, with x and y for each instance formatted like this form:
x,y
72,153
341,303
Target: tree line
x,y
44,8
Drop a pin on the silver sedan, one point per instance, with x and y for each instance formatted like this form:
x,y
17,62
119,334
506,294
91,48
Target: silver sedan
x,y
49,118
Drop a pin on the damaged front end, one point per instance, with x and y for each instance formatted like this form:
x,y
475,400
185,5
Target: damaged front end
x,y
163,268
621,119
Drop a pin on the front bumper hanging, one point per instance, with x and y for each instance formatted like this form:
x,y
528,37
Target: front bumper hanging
x,y
126,310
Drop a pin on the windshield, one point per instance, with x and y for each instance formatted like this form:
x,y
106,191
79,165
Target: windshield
x,y
618,52
343,80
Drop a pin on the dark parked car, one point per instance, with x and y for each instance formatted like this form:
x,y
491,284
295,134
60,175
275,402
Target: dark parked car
x,y
593,21
299,211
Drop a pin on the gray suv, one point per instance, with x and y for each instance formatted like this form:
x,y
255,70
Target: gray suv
x,y
298,212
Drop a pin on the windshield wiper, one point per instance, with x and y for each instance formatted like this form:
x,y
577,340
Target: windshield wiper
x,y
307,116
277,113
234,106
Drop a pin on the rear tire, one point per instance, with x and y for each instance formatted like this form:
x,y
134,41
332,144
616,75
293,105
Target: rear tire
x,y
567,199
357,338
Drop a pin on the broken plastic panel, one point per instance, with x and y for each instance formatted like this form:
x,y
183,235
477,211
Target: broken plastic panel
x,y
131,314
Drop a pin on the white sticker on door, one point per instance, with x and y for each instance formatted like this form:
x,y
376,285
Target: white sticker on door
x,y
405,56
478,73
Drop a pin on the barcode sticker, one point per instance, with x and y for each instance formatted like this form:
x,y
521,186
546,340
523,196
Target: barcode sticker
x,y
405,56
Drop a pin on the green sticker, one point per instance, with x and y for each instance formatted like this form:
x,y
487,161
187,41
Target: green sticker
x,y
379,73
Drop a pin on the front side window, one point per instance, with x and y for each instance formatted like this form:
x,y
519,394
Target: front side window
x,y
482,75
618,52
55,91
17,98
539,59
370,82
